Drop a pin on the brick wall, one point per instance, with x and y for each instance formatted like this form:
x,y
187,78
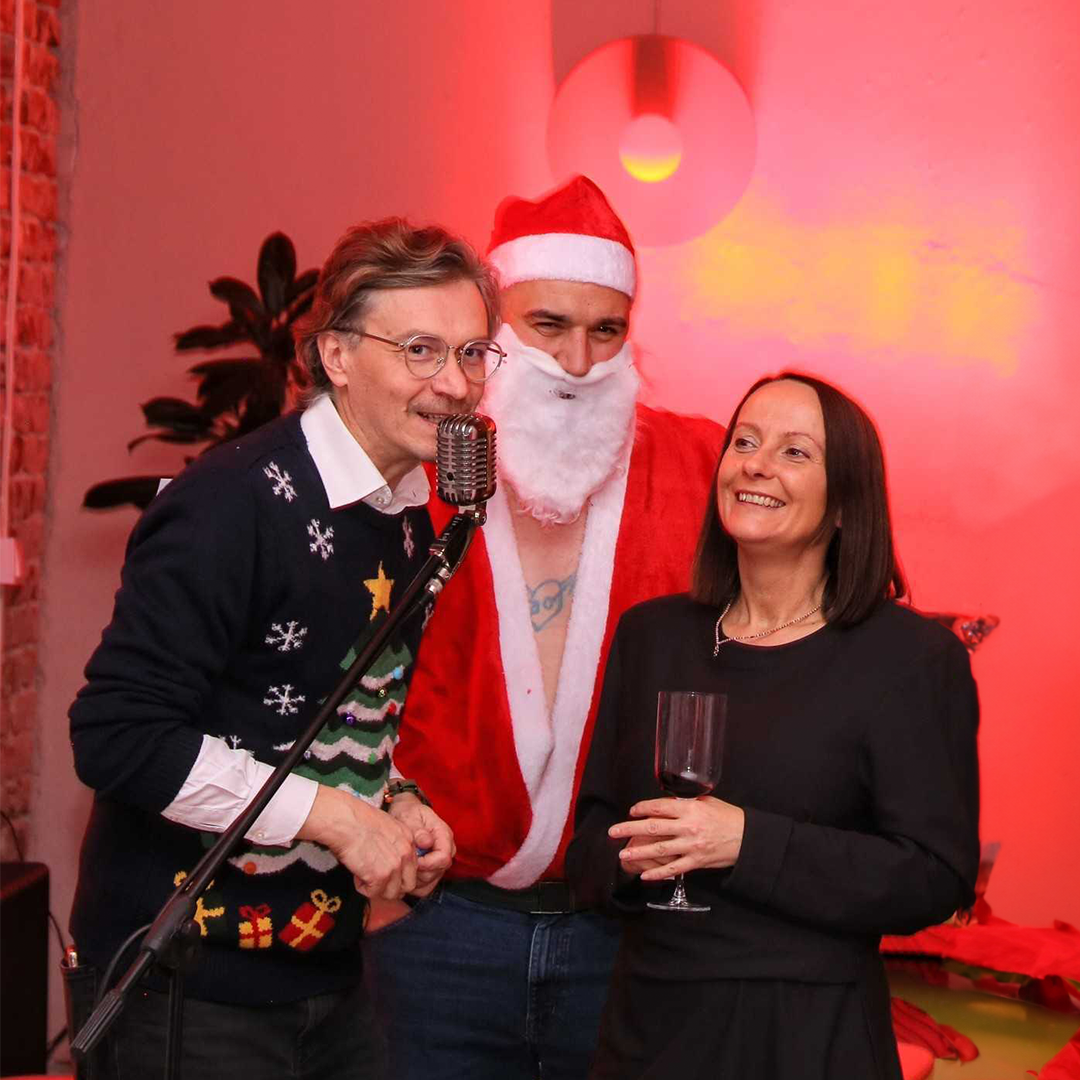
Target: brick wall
x,y
40,123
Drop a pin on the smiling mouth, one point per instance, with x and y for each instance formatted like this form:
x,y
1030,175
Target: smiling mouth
x,y
433,417
759,500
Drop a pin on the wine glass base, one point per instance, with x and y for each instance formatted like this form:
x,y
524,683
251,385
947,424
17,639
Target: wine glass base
x,y
672,906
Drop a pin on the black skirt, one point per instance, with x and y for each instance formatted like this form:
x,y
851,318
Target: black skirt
x,y
746,1029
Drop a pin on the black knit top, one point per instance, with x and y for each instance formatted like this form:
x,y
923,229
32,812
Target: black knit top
x,y
853,754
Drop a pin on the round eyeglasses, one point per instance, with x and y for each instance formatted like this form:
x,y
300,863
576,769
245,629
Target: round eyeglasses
x,y
425,354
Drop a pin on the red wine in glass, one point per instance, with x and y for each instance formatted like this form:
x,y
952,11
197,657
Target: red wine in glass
x,y
684,785
690,727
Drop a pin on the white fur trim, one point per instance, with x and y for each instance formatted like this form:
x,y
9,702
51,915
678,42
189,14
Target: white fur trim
x,y
548,746
565,257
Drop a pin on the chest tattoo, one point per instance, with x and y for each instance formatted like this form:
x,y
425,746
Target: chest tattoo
x,y
548,599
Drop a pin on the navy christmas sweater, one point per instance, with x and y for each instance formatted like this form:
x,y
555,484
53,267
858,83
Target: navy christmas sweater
x,y
243,598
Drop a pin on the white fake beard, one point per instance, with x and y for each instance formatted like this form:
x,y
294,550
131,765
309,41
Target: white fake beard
x,y
560,437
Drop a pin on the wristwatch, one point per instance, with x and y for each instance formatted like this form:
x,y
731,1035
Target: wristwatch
x,y
398,786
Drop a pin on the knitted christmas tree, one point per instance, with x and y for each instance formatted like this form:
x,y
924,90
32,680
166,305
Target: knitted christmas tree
x,y
353,749
352,752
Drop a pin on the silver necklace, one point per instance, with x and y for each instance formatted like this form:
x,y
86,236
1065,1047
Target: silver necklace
x,y
760,634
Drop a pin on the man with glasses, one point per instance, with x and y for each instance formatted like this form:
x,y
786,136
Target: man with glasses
x,y
504,972
248,584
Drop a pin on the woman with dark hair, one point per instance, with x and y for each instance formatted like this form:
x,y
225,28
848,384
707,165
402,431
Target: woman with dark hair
x,y
848,800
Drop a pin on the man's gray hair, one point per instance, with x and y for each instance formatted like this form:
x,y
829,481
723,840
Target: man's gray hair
x,y
386,254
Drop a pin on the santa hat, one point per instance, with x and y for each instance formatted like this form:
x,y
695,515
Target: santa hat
x,y
570,235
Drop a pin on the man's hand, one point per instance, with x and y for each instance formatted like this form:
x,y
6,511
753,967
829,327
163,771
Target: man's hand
x,y
430,834
374,846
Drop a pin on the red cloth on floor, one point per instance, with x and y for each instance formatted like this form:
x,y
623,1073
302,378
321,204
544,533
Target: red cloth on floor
x,y
1023,950
1064,1065
916,1062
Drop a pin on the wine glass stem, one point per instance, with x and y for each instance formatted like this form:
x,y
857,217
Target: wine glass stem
x,y
678,898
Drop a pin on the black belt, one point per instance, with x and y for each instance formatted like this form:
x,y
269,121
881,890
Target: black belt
x,y
543,898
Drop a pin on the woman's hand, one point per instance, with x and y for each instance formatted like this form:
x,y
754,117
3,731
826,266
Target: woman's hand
x,y
635,863
674,836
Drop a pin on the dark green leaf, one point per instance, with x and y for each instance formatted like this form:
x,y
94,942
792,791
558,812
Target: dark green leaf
x,y
224,395
233,363
276,270
170,437
224,387
265,401
174,413
304,283
281,348
299,307
212,337
244,306
238,295
236,394
136,490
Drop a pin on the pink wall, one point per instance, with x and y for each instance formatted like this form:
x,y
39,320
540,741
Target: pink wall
x,y
910,232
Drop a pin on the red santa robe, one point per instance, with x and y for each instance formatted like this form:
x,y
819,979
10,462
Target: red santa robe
x,y
477,734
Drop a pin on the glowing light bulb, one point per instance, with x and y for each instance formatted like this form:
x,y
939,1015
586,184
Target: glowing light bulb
x,y
650,148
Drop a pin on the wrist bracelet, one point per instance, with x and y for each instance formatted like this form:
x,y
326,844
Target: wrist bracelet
x,y
397,787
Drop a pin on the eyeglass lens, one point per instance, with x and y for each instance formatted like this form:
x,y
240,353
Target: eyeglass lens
x,y
424,355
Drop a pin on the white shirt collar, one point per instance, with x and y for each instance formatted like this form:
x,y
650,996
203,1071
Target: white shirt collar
x,y
346,471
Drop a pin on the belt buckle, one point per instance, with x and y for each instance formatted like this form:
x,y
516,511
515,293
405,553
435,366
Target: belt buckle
x,y
551,898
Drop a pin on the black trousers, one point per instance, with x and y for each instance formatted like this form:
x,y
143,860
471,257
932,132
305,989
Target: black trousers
x,y
326,1037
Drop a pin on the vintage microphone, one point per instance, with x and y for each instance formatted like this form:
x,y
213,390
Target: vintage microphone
x,y
465,461
465,478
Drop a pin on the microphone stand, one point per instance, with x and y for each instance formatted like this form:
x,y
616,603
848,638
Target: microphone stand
x,y
173,938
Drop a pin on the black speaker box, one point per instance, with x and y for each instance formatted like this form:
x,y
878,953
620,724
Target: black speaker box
x,y
24,963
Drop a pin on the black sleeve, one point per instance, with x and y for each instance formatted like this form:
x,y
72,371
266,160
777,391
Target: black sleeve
x,y
181,609
919,863
592,859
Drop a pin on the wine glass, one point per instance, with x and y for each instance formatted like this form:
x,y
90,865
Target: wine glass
x,y
689,749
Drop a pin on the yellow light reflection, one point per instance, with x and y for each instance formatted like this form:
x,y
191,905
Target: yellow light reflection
x,y
885,286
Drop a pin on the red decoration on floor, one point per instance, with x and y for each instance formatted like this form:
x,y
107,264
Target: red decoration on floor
x,y
916,1062
919,1028
1064,1065
1025,950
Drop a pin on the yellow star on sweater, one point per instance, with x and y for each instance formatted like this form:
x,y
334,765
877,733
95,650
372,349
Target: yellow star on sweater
x,y
380,587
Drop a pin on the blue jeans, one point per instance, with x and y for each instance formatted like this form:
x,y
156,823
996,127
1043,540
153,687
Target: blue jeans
x,y
468,991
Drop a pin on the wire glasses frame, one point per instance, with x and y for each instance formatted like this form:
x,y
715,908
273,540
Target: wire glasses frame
x,y
426,354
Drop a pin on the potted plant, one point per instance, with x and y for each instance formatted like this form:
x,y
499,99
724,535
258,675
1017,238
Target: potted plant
x,y
237,394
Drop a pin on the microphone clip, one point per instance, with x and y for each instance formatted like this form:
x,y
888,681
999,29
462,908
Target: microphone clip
x,y
452,544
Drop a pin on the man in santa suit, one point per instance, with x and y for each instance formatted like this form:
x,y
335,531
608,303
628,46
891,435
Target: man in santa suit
x,y
599,503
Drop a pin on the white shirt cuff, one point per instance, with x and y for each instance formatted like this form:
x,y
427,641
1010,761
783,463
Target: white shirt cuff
x,y
222,783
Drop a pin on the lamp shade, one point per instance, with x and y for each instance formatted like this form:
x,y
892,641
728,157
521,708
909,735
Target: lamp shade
x,y
663,128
